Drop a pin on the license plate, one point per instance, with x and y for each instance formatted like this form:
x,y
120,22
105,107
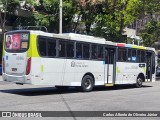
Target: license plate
x,y
14,69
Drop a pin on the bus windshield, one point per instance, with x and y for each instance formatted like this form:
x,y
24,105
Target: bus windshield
x,y
16,42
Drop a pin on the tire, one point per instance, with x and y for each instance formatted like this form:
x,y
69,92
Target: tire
x,y
61,87
139,82
87,83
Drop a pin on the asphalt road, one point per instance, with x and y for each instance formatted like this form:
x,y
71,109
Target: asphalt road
x,y
46,98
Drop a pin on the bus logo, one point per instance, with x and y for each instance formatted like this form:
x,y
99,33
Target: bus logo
x,y
6,114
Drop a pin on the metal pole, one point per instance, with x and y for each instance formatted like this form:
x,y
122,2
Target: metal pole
x,y
60,17
133,41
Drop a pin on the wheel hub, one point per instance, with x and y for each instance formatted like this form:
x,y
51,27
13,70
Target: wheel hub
x,y
87,83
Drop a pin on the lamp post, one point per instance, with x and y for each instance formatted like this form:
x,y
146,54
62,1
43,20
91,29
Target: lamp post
x,y
60,17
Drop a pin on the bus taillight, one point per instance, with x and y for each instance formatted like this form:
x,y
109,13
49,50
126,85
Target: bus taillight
x,y
3,65
28,68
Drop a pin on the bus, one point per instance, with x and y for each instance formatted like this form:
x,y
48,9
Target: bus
x,y
63,60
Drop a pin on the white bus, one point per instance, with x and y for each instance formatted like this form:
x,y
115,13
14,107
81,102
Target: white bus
x,y
63,60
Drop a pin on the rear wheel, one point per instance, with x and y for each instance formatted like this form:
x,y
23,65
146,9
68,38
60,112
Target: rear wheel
x,y
139,82
87,83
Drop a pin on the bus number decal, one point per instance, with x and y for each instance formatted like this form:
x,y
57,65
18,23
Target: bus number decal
x,y
19,58
78,64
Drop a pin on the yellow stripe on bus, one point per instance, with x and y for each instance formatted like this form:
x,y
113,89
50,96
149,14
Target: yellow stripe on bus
x,y
42,68
138,47
118,70
144,69
109,84
32,51
135,46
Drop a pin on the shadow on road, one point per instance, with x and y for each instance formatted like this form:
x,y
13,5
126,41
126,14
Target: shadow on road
x,y
54,91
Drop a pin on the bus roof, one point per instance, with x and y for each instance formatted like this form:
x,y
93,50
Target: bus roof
x,y
83,38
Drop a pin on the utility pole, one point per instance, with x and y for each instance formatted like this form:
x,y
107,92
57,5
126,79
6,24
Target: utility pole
x,y
60,17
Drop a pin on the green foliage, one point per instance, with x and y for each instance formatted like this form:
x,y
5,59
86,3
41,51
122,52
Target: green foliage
x,y
12,5
31,2
132,11
9,5
107,27
103,19
41,20
151,33
109,17
117,15
149,6
47,14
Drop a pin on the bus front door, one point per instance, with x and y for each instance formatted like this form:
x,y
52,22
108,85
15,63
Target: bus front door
x,y
109,66
150,65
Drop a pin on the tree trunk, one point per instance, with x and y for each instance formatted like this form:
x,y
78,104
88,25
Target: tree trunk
x,y
3,17
76,24
88,26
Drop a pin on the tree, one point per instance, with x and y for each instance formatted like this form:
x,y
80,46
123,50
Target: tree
x,y
8,7
3,11
148,7
151,33
46,13
115,16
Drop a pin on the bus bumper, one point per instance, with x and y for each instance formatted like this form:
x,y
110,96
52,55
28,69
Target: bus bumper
x,y
15,79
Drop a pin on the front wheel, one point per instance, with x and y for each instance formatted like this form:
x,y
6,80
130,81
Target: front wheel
x,y
87,83
139,82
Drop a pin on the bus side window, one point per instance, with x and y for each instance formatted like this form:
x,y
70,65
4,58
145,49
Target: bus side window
x,y
129,55
94,51
42,45
51,47
62,49
100,52
134,57
142,60
70,49
79,50
122,54
86,51
138,55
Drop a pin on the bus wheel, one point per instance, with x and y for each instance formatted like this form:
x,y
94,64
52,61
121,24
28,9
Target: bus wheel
x,y
139,82
87,83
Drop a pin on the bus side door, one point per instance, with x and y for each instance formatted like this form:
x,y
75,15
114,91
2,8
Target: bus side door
x,y
109,65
